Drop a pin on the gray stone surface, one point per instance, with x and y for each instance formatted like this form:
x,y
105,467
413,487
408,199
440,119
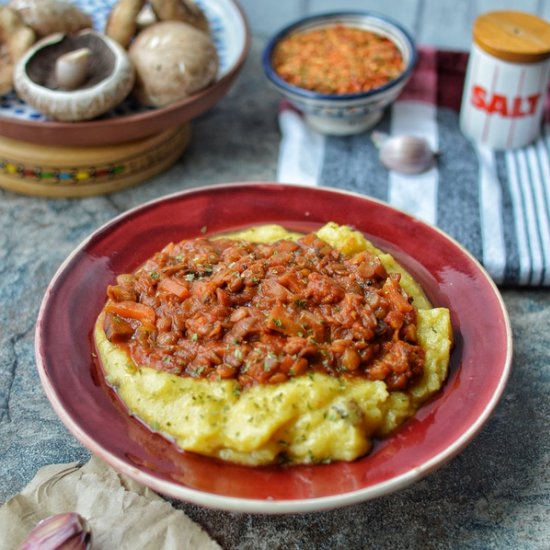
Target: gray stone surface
x,y
495,494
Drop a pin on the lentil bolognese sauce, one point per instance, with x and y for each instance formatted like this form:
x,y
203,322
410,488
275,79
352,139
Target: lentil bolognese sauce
x,y
337,59
263,313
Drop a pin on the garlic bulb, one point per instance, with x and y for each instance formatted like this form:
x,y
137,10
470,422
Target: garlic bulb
x,y
60,532
406,154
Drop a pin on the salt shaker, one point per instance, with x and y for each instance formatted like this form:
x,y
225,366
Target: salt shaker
x,y
506,79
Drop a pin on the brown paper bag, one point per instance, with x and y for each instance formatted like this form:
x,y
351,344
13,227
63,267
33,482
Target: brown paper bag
x,y
121,513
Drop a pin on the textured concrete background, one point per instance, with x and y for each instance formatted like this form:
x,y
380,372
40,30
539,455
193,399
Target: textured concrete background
x,y
495,494
442,23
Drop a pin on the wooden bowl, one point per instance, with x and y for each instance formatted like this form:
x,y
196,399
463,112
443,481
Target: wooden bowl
x,y
59,171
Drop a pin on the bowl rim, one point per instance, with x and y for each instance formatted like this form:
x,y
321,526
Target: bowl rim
x,y
309,94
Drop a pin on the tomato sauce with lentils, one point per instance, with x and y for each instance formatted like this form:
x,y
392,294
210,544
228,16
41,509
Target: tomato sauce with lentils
x,y
262,313
337,60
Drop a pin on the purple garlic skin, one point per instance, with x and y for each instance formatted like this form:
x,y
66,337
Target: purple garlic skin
x,y
68,531
405,154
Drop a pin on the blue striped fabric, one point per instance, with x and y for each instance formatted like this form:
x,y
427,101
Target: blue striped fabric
x,y
496,204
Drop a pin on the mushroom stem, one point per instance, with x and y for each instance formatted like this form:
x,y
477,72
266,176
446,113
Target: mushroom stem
x,y
71,69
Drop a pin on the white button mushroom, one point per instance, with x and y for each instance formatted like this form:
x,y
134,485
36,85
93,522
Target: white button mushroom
x,y
173,60
74,77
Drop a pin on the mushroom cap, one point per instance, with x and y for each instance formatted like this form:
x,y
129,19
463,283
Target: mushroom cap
x,y
173,60
122,21
47,17
180,10
110,78
15,39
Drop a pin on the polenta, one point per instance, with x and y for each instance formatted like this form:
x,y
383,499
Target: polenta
x,y
300,382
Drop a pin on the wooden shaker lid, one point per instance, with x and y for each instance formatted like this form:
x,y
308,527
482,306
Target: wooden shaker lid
x,y
513,36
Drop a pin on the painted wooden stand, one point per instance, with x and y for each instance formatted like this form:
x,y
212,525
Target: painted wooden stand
x,y
52,171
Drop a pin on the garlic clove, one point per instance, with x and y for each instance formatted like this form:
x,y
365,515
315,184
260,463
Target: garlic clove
x,y
71,69
405,154
68,531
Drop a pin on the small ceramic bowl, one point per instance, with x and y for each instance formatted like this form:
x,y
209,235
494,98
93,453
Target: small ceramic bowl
x,y
344,114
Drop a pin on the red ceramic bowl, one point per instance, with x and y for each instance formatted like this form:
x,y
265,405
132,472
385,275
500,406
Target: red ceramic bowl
x,y
71,378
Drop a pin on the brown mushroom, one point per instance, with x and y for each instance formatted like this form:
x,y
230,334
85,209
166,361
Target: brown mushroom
x,y
129,17
122,21
180,10
173,60
74,77
51,16
15,39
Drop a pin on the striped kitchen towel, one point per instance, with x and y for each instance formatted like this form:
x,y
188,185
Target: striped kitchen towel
x,y
496,204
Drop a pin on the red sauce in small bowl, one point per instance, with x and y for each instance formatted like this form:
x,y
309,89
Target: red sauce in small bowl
x,y
337,60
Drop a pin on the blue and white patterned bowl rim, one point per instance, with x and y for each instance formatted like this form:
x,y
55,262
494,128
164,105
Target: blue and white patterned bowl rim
x,y
227,34
379,23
